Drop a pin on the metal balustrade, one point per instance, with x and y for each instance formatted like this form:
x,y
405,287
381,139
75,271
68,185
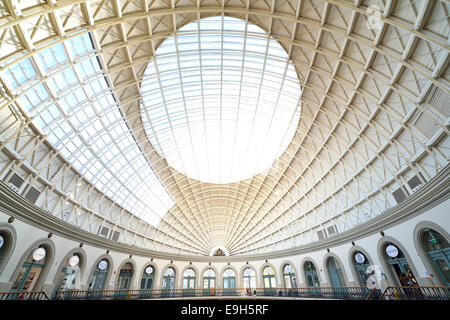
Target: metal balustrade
x,y
32,295
416,293
348,293
340,293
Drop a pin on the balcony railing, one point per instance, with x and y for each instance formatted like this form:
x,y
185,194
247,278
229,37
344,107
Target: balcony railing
x,y
340,293
33,295
347,293
416,293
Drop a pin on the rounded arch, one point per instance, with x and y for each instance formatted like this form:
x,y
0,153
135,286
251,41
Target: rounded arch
x,y
82,264
133,276
418,244
327,256
281,271
9,232
308,259
198,276
302,268
224,250
177,274
49,247
351,261
94,266
261,274
236,273
218,276
241,274
381,246
155,272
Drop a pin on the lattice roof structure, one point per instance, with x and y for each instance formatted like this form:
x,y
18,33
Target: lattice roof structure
x,y
370,107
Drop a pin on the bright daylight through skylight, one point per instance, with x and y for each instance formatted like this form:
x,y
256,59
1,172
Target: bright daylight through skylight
x,y
220,100
68,98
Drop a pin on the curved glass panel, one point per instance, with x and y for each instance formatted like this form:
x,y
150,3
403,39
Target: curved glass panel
x,y
169,272
268,271
220,100
229,273
249,272
189,273
64,91
209,273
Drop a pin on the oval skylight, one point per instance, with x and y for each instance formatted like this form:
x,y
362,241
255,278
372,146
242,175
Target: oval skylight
x,y
220,100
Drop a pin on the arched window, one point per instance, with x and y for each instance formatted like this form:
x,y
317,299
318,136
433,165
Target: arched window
x,y
148,278
335,273
168,284
188,281
32,270
311,276
269,281
5,246
70,275
438,252
398,265
99,276
209,281
290,280
249,280
125,275
2,246
360,263
229,281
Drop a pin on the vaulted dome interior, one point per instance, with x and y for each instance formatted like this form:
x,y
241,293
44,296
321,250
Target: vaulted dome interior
x,y
257,127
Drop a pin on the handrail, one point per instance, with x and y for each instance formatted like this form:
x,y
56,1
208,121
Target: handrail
x,y
416,293
351,293
26,295
347,293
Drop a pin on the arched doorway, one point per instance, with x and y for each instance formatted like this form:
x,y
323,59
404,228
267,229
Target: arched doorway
x,y
99,275
249,280
3,244
209,282
398,265
69,277
335,273
360,263
125,276
311,276
229,282
290,280
6,244
189,282
438,252
31,270
168,284
148,278
269,281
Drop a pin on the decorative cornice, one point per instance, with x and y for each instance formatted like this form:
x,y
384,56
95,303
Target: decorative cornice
x,y
431,194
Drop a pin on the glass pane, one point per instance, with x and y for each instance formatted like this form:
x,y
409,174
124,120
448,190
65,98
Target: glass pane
x,y
272,282
173,114
88,129
443,267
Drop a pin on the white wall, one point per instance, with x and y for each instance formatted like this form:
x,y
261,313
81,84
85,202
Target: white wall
x,y
403,233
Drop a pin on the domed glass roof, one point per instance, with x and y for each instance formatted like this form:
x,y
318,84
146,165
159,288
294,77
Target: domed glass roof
x,y
220,100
